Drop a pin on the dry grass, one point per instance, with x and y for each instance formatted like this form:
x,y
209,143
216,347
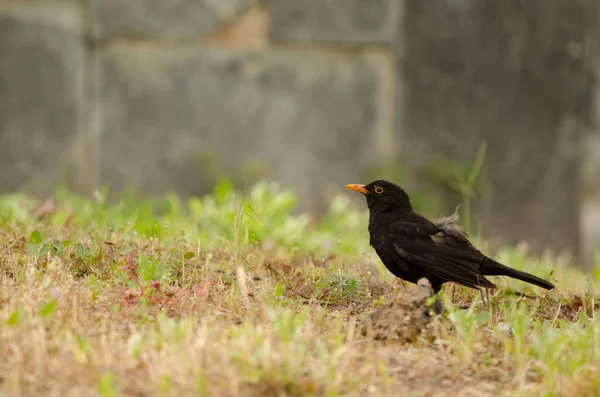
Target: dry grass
x,y
95,300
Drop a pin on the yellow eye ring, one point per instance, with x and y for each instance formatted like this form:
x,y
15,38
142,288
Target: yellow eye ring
x,y
378,190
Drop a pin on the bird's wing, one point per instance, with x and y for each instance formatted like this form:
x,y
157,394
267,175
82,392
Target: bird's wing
x,y
423,244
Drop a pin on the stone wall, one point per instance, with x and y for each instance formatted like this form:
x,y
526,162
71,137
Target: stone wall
x,y
173,95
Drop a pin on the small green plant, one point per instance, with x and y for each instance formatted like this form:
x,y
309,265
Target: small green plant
x,y
468,325
150,269
16,318
520,324
48,309
107,386
463,179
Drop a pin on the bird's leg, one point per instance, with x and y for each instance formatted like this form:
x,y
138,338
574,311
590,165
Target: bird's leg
x,y
482,297
485,302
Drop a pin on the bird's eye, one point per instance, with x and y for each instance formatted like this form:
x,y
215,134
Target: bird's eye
x,y
378,190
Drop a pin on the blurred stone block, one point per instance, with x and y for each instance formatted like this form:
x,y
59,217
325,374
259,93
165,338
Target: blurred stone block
x,y
512,74
178,119
590,208
333,21
162,18
42,64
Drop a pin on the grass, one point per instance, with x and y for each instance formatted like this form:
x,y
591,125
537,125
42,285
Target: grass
x,y
231,295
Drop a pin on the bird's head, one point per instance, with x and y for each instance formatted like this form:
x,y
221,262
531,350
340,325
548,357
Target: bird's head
x,y
383,196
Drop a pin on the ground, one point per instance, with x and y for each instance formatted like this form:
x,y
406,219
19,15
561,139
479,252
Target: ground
x,y
231,295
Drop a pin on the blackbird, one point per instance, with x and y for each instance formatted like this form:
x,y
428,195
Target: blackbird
x,y
412,247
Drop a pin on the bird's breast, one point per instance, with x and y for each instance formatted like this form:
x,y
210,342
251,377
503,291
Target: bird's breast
x,y
376,240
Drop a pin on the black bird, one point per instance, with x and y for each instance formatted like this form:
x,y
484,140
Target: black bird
x,y
412,247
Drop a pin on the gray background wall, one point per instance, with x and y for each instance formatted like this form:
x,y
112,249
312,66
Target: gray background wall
x,y
172,95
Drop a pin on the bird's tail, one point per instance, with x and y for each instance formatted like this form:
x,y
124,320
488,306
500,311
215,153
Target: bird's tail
x,y
490,267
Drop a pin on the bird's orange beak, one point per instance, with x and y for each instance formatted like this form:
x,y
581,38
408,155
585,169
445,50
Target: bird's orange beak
x,y
357,188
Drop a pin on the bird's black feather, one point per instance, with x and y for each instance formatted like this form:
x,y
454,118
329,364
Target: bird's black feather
x,y
412,247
